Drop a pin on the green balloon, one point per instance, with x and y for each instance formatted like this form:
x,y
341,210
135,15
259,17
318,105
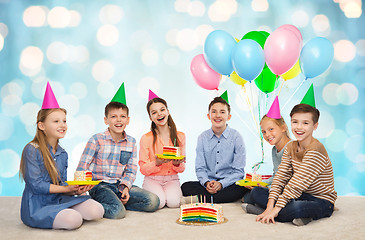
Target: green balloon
x,y
265,33
266,81
258,37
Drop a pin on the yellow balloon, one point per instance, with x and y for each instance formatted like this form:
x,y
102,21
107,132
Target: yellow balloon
x,y
237,79
292,73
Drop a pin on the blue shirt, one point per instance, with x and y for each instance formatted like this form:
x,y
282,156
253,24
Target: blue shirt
x,y
221,159
39,207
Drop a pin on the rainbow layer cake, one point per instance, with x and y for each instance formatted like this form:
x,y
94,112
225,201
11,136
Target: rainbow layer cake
x,y
171,151
83,176
201,212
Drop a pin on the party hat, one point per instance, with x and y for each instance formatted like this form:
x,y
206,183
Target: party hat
x,y
309,97
120,95
225,96
274,111
151,95
49,100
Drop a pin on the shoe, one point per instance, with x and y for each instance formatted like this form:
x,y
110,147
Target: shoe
x,y
188,200
244,207
301,221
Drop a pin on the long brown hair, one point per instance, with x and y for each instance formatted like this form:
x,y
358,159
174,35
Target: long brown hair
x,y
40,139
170,123
280,122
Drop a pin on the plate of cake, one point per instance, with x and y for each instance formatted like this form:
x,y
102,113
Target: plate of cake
x,y
201,214
169,152
253,180
83,178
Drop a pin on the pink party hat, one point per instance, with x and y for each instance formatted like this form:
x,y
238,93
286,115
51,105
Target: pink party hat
x,y
274,111
49,100
151,95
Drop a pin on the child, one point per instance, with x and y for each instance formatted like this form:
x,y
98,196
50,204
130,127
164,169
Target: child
x,y
303,187
220,158
112,158
47,202
161,174
275,132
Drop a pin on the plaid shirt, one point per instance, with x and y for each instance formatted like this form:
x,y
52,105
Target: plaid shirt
x,y
110,161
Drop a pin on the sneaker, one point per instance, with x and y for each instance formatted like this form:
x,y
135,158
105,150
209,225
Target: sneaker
x,y
188,199
252,209
244,207
301,221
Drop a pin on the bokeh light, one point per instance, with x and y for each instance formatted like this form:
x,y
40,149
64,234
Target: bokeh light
x,y
31,60
300,18
57,52
222,10
171,57
35,16
196,8
147,83
360,47
354,126
186,39
150,57
9,163
108,35
110,14
103,70
59,17
347,93
6,127
260,5
321,25
345,51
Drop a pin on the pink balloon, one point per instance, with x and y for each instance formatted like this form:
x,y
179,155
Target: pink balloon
x,y
203,75
294,29
282,50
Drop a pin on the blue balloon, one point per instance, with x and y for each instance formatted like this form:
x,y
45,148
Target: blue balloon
x,y
316,56
217,51
248,59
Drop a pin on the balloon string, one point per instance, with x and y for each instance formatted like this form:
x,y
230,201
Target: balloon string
x,y
253,116
281,87
260,132
296,90
239,117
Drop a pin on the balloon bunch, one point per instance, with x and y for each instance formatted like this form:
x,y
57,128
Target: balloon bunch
x,y
261,57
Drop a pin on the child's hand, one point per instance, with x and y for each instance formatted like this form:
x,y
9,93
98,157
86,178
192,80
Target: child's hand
x,y
85,188
249,187
160,161
213,187
125,195
268,216
176,162
71,189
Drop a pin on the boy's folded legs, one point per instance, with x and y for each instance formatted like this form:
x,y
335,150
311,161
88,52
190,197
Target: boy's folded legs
x,y
142,200
105,194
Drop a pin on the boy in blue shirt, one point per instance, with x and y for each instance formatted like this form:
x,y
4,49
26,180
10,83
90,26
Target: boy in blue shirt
x,y
220,158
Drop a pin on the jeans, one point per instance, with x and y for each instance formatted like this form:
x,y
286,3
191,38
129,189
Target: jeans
x,y
109,196
229,194
306,206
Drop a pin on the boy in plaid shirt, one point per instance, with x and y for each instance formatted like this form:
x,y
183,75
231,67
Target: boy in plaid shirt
x,y
112,158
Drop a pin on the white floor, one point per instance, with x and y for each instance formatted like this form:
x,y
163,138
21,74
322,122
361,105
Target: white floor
x,y
347,223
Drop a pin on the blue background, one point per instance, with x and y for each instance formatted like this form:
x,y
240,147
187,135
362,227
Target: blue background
x,y
86,49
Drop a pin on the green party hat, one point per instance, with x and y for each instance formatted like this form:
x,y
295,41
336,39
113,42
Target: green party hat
x,y
225,96
309,97
120,95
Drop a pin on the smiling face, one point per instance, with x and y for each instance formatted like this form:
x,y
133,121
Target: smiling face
x,y
117,120
302,127
159,114
219,115
271,131
54,126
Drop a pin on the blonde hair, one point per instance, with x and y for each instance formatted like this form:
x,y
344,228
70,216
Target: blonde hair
x,y
280,122
41,140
